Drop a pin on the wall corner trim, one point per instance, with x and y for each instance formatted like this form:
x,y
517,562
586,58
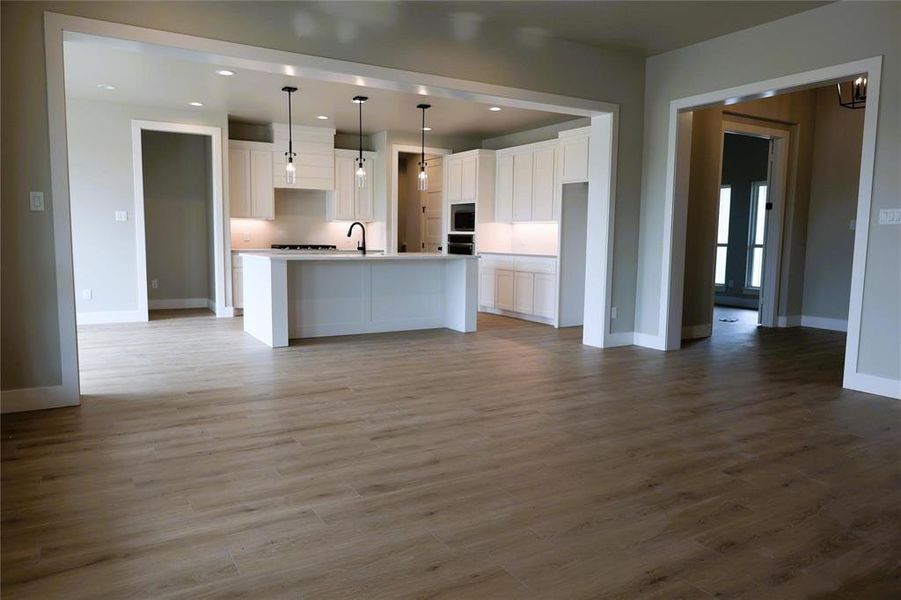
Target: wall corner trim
x,y
647,340
38,398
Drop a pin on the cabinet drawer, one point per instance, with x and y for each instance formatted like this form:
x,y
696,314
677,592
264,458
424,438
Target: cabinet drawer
x,y
536,265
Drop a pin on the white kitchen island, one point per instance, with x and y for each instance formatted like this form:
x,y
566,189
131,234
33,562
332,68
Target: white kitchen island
x,y
292,295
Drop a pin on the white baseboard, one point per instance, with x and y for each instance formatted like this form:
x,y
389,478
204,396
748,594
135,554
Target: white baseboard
x,y
789,321
647,340
35,399
110,316
171,303
693,332
614,340
824,323
873,384
211,304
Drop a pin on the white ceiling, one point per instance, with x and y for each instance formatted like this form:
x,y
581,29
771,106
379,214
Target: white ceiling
x,y
151,79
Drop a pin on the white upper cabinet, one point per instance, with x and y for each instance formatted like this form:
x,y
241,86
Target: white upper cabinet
x,y
526,183
543,166
454,180
314,148
347,202
503,200
574,146
469,177
250,189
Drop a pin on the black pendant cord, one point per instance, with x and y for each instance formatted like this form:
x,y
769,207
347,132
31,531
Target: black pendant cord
x,y
361,132
423,108
290,153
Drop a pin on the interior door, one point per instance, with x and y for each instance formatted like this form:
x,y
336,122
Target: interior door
x,y
431,206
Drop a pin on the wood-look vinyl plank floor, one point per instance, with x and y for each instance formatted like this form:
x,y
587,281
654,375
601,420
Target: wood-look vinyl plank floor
x,y
509,463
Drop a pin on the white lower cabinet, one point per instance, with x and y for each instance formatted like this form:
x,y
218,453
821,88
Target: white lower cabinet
x,y
525,286
237,281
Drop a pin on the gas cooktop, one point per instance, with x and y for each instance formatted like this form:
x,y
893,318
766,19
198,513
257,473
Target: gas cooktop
x,y
320,247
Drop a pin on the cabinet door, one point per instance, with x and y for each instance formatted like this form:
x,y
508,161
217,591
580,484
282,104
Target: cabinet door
x,y
239,182
522,186
454,180
486,287
545,295
363,196
503,198
262,192
503,290
523,292
543,162
574,159
468,176
344,188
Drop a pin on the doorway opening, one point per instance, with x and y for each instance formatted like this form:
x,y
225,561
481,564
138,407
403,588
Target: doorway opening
x,y
419,212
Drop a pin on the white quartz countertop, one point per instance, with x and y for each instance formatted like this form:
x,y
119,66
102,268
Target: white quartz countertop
x,y
350,256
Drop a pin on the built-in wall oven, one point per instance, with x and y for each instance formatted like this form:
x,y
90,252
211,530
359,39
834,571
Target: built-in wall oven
x,y
460,244
463,217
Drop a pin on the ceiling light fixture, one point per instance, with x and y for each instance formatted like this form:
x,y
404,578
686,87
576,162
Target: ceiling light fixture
x,y
195,103
225,72
322,118
423,175
495,109
857,93
290,170
106,86
361,162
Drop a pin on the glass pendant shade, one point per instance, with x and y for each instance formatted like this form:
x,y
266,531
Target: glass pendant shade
x,y
290,173
360,174
423,179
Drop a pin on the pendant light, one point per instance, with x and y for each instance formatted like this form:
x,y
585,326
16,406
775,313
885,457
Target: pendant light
x,y
361,162
857,93
290,169
423,175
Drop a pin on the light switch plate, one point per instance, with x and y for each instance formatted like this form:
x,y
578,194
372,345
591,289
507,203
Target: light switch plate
x,y
87,294
890,216
121,215
36,201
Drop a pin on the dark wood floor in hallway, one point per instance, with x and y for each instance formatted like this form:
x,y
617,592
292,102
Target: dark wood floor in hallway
x,y
509,463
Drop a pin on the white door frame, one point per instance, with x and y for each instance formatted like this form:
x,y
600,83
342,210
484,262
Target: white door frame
x,y
396,150
215,135
241,56
770,298
678,150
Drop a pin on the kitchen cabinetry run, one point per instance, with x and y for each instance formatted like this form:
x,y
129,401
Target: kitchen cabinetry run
x,y
519,286
526,180
469,177
250,189
347,202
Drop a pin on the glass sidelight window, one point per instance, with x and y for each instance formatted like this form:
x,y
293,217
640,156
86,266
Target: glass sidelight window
x,y
722,235
756,234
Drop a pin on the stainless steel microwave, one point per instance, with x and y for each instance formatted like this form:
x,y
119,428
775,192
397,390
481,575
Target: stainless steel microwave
x,y
463,217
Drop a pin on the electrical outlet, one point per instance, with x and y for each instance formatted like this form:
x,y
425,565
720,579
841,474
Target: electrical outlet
x,y
121,215
36,201
245,236
155,283
87,294
613,312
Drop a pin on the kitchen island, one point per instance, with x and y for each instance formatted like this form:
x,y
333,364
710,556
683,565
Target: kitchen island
x,y
291,295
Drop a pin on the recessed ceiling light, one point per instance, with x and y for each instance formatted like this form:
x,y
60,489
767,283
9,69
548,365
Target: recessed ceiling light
x,y
106,86
495,109
322,118
426,128
196,103
225,72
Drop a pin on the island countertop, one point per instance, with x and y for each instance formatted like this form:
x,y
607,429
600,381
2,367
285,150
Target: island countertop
x,y
355,256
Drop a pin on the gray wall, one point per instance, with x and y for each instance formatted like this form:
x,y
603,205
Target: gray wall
x,y
833,205
833,34
178,204
101,182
